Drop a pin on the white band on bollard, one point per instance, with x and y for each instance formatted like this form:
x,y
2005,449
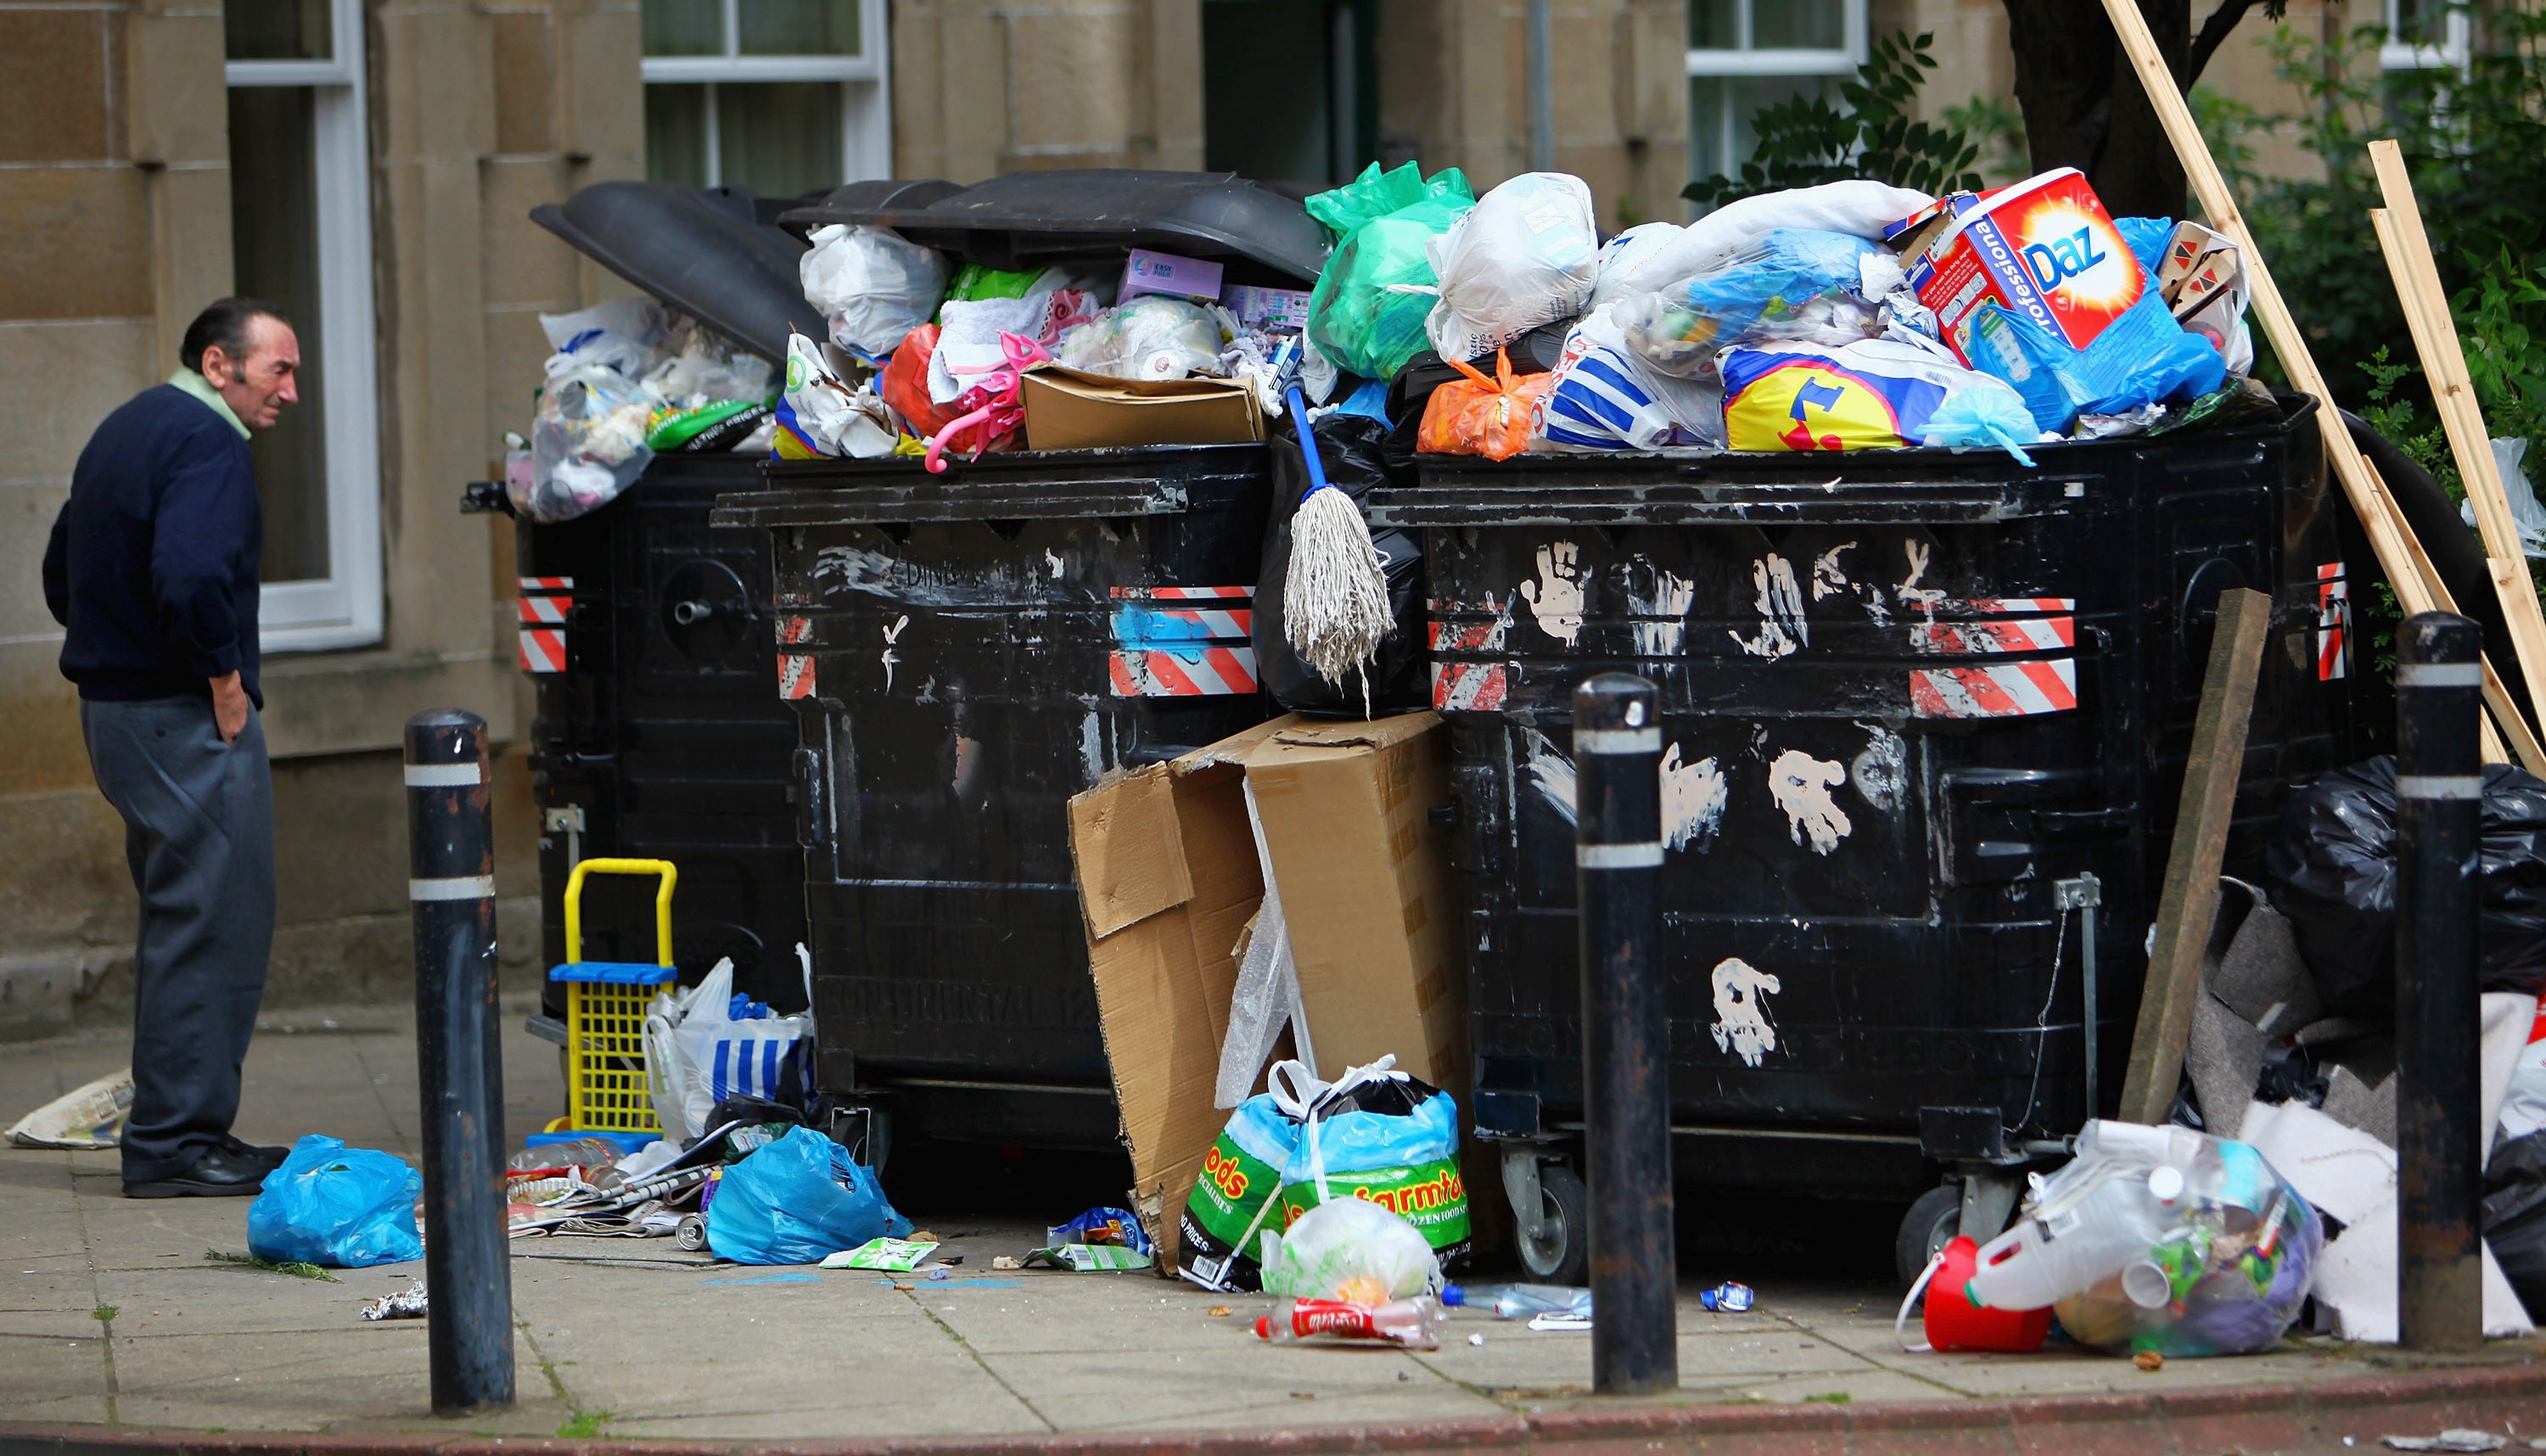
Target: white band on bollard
x,y
2440,786
445,775
2439,674
1618,740
1643,856
460,887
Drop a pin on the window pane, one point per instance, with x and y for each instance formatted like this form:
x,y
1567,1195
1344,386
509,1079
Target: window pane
x,y
1715,24
799,27
684,27
2420,22
1803,24
273,237
780,140
1721,110
279,29
676,135
1270,122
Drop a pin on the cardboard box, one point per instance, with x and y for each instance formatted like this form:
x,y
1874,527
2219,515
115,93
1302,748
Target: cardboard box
x,y
1147,272
1070,409
2043,250
1169,882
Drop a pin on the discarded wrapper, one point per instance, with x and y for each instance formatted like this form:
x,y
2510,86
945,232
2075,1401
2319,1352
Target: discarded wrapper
x,y
409,1303
1560,1319
1100,1225
1088,1258
1727,1298
894,1255
89,1118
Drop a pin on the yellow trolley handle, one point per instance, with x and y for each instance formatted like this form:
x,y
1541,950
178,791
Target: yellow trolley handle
x,y
670,874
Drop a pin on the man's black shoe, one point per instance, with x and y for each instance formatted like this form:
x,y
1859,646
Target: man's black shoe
x,y
270,1158
215,1175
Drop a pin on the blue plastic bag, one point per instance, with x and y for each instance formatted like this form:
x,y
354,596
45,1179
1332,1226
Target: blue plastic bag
x,y
798,1201
1794,283
1977,417
337,1207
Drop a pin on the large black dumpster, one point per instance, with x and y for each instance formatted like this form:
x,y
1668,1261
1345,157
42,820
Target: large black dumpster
x,y
1924,713
967,651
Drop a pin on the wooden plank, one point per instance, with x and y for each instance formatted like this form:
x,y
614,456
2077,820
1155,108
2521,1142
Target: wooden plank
x,y
2435,338
2189,900
2385,526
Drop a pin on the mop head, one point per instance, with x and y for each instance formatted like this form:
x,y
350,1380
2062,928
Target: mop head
x,y
1334,605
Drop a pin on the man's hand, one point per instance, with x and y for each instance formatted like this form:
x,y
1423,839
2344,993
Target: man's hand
x,y
229,707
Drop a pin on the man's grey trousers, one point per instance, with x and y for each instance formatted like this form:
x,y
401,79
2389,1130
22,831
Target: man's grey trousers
x,y
198,833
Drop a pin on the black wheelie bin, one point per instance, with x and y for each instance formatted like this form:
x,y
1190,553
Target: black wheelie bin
x,y
1925,714
643,629
965,652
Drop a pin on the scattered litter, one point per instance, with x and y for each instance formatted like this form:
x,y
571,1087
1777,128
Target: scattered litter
x,y
1006,1261
1515,1301
1350,1250
86,1119
1415,1324
407,1304
892,1256
1100,1225
1479,1340
2149,1360
1551,1319
1088,1258
2457,1439
1728,1298
340,1207
1219,1311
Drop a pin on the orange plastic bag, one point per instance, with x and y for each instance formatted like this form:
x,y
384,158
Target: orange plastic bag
x,y
1495,418
904,385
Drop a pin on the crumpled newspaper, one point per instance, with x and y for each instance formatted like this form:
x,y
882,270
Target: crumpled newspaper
x,y
406,1305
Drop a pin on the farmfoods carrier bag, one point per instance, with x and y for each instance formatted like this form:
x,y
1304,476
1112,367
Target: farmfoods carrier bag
x,y
1379,1134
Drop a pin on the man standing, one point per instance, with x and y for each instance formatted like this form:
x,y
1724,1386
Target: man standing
x,y
153,569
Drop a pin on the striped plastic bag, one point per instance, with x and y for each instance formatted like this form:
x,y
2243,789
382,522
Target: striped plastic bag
x,y
699,1053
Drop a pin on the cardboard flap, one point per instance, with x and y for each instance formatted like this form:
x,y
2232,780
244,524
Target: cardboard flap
x,y
1130,853
1378,732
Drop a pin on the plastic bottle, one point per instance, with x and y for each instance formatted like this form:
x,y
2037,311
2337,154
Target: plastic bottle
x,y
2089,1231
1519,1300
1414,1322
592,1155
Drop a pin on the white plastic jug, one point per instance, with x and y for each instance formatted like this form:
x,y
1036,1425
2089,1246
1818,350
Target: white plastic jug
x,y
2091,1231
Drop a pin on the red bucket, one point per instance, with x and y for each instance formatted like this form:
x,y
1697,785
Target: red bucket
x,y
1954,1323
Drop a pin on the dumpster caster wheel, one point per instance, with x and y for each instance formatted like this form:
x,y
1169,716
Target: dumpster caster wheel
x,y
1561,1251
1931,1224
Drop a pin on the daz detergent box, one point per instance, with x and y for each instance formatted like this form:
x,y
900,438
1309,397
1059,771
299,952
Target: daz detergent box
x,y
2043,250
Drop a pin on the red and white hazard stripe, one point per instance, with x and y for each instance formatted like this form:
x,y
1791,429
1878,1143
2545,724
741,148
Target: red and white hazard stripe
x,y
1200,622
547,583
795,676
545,611
793,630
1995,635
2021,606
2018,690
1198,671
543,650
1473,687
2333,621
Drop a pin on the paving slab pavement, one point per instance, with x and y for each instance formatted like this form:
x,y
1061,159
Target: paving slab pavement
x,y
113,1321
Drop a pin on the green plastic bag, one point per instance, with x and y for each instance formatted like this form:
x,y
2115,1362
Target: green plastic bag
x,y
1383,220
973,282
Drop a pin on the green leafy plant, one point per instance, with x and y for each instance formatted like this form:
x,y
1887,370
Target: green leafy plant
x,y
583,1425
295,1270
105,1313
1996,128
1806,141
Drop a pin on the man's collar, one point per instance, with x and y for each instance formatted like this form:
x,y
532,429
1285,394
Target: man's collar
x,y
202,388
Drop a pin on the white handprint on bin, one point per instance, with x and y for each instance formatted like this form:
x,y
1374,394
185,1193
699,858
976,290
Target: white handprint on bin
x,y
1741,1026
1556,595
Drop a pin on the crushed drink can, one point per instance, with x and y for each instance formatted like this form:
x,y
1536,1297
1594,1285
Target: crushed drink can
x,y
1728,1298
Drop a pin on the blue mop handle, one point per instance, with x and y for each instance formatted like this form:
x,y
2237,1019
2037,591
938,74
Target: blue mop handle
x,y
1307,445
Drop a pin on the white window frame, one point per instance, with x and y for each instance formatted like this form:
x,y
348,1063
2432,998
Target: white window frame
x,y
864,80
2453,53
1741,61
344,608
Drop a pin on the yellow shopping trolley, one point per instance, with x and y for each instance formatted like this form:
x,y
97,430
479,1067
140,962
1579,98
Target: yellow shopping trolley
x,y
605,1011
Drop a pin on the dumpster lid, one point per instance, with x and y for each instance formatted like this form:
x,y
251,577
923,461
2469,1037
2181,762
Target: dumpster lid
x,y
703,253
1027,219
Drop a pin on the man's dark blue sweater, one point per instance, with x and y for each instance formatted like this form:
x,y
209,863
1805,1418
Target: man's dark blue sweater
x,y
152,563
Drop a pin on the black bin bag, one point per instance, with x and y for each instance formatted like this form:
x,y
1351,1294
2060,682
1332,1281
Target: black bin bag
x,y
2332,869
1348,446
2515,1217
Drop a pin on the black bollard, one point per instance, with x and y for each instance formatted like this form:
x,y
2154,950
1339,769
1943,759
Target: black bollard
x,y
2439,802
451,851
1626,1035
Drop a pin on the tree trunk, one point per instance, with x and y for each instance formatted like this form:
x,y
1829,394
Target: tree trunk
x,y
2083,106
